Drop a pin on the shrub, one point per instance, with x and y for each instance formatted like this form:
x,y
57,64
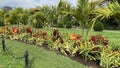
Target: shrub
x,y
60,25
1,24
38,25
98,26
68,25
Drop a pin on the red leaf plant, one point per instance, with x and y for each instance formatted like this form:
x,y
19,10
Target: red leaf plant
x,y
29,30
98,39
14,30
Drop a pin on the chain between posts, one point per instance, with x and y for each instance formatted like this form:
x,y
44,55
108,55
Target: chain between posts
x,y
25,56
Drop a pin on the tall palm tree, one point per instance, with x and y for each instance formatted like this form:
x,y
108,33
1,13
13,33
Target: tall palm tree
x,y
24,17
3,14
15,15
56,14
37,19
1,18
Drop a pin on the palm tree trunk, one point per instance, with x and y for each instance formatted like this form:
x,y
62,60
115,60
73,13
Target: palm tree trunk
x,y
83,31
87,32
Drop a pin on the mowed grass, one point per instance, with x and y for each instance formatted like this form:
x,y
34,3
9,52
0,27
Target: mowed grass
x,y
40,57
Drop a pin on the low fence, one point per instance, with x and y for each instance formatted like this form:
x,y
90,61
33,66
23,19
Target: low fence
x,y
25,55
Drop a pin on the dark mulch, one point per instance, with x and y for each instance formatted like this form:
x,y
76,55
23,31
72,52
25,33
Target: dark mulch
x,y
89,63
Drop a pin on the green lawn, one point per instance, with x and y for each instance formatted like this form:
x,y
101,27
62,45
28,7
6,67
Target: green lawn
x,y
42,58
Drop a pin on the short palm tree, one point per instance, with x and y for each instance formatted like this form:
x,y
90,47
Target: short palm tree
x,y
111,10
84,14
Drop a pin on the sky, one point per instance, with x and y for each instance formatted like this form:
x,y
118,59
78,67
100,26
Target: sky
x,y
32,3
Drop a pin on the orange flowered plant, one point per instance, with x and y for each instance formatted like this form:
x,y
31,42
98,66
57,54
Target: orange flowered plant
x,y
75,36
4,29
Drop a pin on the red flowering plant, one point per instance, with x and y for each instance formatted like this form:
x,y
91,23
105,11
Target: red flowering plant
x,y
98,39
44,35
14,30
38,34
29,30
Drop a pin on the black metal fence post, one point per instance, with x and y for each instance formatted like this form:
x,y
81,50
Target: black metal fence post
x,y
3,44
26,59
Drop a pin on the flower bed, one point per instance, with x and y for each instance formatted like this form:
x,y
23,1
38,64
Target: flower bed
x,y
96,48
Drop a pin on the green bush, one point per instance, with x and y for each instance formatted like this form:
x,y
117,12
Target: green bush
x,y
1,24
38,25
98,26
68,25
60,25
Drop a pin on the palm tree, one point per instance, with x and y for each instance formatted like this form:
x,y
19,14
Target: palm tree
x,y
1,18
3,14
24,17
37,19
84,14
15,15
55,14
112,10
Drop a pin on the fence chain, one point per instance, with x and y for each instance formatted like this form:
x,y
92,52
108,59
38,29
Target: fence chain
x,y
12,55
25,56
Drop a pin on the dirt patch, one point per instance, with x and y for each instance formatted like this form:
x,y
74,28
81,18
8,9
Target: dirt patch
x,y
89,63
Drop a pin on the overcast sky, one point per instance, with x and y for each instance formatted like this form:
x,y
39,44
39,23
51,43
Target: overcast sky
x,y
31,3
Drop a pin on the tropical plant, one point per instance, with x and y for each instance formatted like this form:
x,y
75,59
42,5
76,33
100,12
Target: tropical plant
x,y
24,18
1,18
55,14
112,10
109,58
84,14
3,14
98,40
15,15
37,20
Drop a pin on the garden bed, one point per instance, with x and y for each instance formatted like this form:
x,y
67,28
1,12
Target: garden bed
x,y
89,51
